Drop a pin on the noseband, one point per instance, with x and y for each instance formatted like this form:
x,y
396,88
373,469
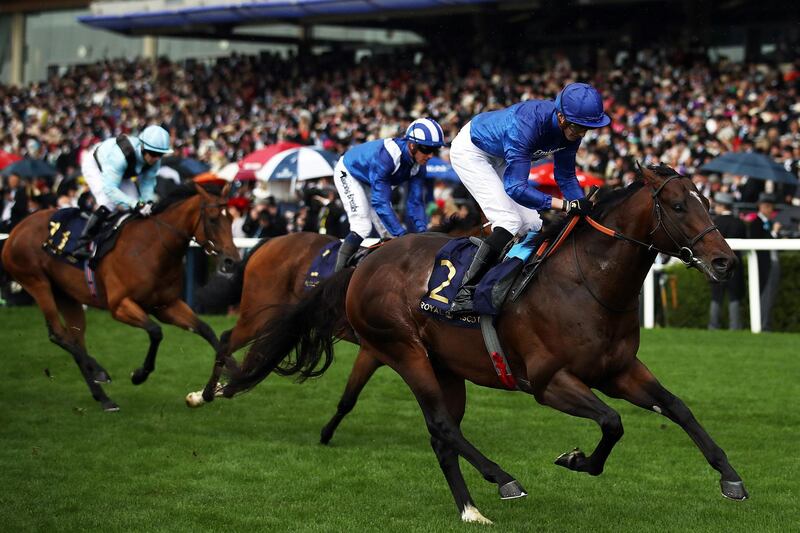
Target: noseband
x,y
685,253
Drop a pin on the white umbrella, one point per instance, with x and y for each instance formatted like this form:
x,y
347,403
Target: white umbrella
x,y
298,164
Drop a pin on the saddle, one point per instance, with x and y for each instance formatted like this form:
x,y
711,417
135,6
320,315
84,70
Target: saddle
x,y
506,279
66,226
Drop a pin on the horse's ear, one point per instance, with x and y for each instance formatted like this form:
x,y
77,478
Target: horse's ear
x,y
648,176
226,190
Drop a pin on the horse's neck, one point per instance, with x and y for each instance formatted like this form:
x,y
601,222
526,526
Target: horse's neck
x,y
616,269
175,226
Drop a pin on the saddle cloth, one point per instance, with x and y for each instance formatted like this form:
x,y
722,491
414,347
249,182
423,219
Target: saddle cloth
x,y
325,262
66,226
450,265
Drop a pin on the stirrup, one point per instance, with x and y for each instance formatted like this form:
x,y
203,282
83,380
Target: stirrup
x,y
464,302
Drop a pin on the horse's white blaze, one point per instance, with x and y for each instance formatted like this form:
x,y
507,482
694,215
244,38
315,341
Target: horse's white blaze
x,y
195,399
471,514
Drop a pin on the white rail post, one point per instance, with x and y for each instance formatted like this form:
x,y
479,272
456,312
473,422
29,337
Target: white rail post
x,y
754,291
649,300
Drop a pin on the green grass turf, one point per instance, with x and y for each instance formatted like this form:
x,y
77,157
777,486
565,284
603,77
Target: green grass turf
x,y
254,464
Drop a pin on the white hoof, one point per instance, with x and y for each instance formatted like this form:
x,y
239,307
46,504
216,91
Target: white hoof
x,y
472,515
195,399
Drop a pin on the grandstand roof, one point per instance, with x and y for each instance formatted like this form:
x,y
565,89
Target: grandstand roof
x,y
154,17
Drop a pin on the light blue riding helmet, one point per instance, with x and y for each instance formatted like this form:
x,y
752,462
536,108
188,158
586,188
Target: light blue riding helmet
x,y
425,131
581,104
155,139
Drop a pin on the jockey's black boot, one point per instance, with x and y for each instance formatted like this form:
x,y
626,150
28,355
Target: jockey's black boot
x,y
347,249
488,252
83,250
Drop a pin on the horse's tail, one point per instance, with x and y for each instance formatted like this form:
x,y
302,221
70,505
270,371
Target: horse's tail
x,y
307,329
226,289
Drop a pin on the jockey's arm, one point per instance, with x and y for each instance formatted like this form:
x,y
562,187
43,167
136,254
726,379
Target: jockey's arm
x,y
415,207
147,184
381,196
517,186
564,172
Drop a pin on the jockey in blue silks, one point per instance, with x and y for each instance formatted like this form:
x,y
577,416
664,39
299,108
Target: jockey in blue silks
x,y
366,174
108,169
492,156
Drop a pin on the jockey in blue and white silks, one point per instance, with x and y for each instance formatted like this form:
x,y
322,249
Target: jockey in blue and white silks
x,y
492,156
366,175
109,169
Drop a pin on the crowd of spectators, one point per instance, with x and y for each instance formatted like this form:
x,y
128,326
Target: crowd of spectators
x,y
668,106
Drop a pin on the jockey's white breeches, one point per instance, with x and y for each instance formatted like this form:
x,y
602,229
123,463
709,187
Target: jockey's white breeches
x,y
482,175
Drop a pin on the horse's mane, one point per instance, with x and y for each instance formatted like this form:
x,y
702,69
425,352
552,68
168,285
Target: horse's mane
x,y
604,205
182,192
454,223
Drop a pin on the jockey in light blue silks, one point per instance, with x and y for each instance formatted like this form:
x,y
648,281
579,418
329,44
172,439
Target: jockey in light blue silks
x,y
108,169
366,174
492,156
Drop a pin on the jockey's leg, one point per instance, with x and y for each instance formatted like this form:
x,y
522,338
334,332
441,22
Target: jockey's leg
x,y
82,250
347,249
488,253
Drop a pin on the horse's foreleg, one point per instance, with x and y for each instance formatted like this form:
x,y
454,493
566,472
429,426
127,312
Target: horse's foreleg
x,y
640,387
568,394
179,314
364,366
129,312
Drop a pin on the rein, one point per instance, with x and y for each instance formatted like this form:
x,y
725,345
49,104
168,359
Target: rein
x,y
209,247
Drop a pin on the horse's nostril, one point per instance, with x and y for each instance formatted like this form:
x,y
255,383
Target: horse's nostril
x,y
722,264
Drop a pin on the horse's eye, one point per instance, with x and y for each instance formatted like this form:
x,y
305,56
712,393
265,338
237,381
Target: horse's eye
x,y
678,207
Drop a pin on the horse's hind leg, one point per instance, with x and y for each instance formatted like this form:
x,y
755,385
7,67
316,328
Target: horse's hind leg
x,y
640,387
455,396
568,394
364,366
412,363
71,342
75,322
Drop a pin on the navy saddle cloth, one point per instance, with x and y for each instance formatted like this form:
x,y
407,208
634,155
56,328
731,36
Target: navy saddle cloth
x,y
66,226
450,265
322,266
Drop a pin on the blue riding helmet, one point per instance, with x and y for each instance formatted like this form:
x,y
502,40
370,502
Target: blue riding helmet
x,y
155,139
581,104
425,131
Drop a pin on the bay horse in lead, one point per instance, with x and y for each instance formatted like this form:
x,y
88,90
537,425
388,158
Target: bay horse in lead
x,y
575,328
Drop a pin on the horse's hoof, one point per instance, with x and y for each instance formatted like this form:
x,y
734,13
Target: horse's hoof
x,y
471,515
110,407
512,490
325,435
194,399
139,376
102,377
733,490
574,460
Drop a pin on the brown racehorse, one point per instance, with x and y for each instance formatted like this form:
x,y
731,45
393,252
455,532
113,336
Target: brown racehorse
x,y
575,328
274,274
142,275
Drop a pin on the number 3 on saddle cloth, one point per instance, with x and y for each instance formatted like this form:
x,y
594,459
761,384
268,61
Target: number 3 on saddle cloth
x,y
450,265
66,226
324,263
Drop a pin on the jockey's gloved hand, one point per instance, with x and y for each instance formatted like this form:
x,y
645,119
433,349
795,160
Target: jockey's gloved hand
x,y
581,206
144,208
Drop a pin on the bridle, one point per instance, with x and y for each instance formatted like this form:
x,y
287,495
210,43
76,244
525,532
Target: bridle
x,y
209,247
685,253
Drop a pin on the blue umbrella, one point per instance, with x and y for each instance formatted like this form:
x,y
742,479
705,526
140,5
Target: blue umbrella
x,y
298,164
439,169
752,165
30,168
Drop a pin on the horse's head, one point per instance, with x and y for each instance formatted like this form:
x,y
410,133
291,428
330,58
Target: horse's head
x,y
213,232
683,225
